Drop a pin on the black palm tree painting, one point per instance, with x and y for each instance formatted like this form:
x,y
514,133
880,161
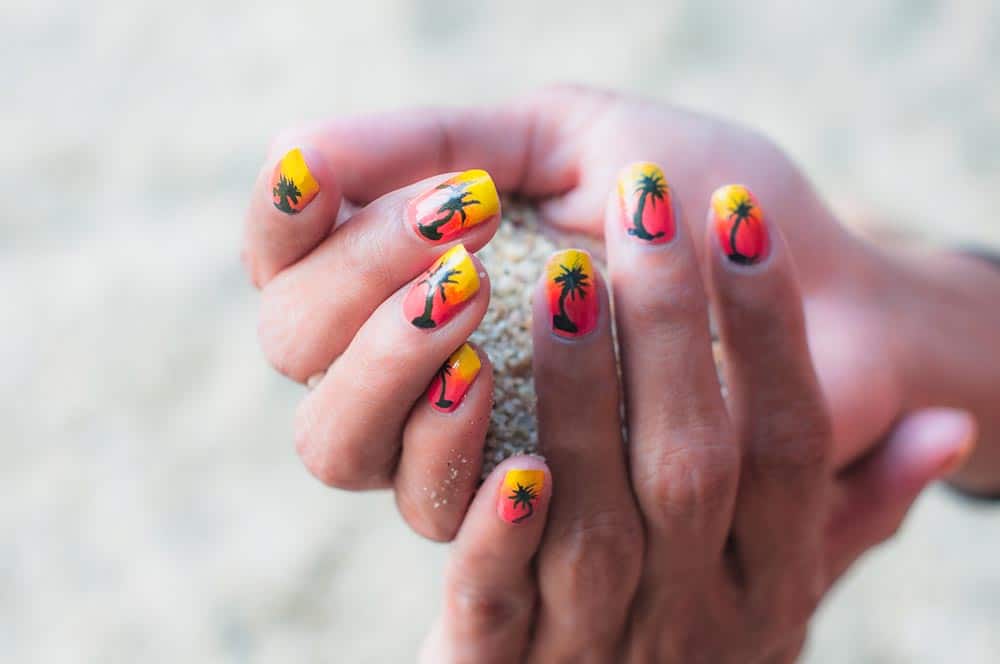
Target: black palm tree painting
x,y
442,375
573,282
287,194
651,187
738,215
523,497
455,204
436,280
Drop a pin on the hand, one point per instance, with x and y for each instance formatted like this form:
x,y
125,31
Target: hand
x,y
712,535
371,315
866,307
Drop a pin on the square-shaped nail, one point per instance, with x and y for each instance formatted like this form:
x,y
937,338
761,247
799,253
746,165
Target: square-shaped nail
x,y
436,296
571,293
647,210
454,379
460,202
739,224
519,493
292,183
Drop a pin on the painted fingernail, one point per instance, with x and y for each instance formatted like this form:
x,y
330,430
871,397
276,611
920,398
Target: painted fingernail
x,y
569,285
519,493
436,296
454,378
458,203
739,224
292,183
647,210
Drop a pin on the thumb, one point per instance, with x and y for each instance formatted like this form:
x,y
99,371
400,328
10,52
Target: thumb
x,y
876,493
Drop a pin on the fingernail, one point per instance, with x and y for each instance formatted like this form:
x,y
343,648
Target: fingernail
x,y
292,183
647,210
436,296
454,378
457,204
519,493
739,224
571,291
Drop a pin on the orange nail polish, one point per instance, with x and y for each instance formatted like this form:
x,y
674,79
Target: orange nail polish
x,y
571,292
454,379
436,296
458,203
739,224
646,203
292,183
519,493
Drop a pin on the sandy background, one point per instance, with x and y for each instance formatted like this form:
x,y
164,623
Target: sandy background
x,y
152,508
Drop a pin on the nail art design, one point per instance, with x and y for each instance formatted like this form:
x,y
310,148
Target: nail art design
x,y
739,224
454,378
646,203
449,282
292,184
460,202
569,286
519,493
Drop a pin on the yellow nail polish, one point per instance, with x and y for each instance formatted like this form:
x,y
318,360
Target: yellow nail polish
x,y
460,202
449,282
292,183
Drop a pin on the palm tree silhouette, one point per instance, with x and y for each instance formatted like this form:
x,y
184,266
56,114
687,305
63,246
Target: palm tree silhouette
x,y
574,282
648,186
286,191
435,280
738,215
443,374
524,496
456,203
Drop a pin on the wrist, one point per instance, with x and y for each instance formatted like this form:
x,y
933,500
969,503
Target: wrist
x,y
943,306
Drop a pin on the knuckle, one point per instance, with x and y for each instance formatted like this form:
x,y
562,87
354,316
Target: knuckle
x,y
599,557
277,333
326,454
485,608
675,295
692,480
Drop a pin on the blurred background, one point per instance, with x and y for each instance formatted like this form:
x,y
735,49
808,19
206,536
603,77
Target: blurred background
x,y
152,507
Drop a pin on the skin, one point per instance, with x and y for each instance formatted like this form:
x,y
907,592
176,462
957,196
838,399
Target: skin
x,y
562,147
713,534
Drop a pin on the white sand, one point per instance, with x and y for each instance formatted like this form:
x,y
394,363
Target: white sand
x,y
152,506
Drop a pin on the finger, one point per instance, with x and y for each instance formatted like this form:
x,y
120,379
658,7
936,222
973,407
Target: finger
x,y
490,588
589,566
684,461
348,428
312,310
293,206
443,445
875,494
776,402
527,145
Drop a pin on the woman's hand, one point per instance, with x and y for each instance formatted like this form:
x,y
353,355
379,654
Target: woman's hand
x,y
714,533
874,317
374,316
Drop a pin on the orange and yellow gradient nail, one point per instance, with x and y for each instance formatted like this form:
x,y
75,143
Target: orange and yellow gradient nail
x,y
739,224
292,183
437,295
647,209
454,379
519,493
571,293
460,202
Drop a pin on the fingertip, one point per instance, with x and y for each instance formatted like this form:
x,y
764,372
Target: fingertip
x,y
524,486
934,443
